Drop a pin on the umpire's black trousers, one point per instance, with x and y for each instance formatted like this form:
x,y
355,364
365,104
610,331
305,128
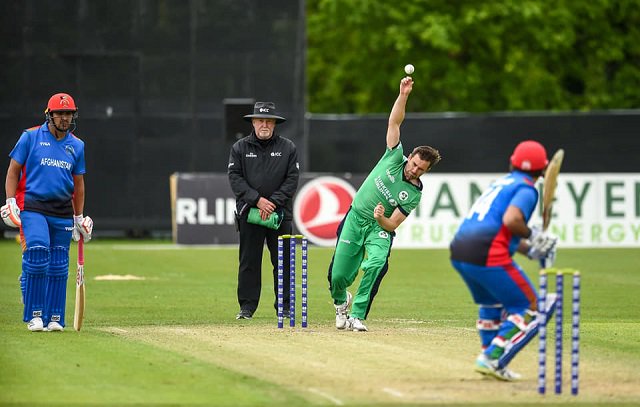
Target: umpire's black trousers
x,y
252,239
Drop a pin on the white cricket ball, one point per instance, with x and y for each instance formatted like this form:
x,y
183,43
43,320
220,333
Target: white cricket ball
x,y
408,68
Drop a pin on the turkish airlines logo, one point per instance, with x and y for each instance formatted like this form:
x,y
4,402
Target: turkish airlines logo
x,y
320,206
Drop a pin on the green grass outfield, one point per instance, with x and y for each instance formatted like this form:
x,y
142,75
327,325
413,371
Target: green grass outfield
x,y
172,340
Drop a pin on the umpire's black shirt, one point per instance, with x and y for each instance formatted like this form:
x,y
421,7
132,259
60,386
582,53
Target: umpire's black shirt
x,y
264,168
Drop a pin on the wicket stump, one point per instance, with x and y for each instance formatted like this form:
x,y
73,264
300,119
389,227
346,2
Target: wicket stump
x,y
293,239
575,329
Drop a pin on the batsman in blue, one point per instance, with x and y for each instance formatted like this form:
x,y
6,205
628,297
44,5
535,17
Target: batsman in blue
x,y
482,252
45,200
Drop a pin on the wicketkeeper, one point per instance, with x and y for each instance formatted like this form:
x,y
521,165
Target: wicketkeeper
x,y
44,185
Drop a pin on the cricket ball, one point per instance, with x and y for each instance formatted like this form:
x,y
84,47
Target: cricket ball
x,y
408,69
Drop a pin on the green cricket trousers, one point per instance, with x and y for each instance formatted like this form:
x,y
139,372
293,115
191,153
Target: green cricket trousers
x,y
362,245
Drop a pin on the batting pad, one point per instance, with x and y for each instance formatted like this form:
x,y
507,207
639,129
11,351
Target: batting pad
x,y
23,285
35,263
488,323
520,342
57,275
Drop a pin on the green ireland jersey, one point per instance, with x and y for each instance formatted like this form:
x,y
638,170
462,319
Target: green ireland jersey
x,y
386,184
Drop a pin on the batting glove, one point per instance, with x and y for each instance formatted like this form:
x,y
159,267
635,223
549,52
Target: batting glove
x,y
535,231
82,226
11,213
548,261
541,245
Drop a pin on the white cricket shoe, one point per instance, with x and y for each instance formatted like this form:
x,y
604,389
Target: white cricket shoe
x,y
35,325
342,312
508,375
54,326
489,367
357,325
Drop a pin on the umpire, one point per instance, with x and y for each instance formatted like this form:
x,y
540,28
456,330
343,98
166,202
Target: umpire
x,y
263,173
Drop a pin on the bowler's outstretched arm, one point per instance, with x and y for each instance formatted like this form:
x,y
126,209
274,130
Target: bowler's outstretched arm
x,y
397,112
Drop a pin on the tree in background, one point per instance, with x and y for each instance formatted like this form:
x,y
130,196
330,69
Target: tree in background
x,y
474,56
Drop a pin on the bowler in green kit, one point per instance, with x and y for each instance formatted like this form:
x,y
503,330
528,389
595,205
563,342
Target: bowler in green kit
x,y
385,199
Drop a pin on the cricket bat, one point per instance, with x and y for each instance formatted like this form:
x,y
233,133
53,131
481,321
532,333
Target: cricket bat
x,y
549,187
79,311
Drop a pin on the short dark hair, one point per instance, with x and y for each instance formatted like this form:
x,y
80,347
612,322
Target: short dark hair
x,y
427,153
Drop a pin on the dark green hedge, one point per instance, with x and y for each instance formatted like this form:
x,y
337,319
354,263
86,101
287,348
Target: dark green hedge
x,y
473,55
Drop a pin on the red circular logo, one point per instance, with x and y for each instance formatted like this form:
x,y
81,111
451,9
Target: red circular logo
x,y
320,206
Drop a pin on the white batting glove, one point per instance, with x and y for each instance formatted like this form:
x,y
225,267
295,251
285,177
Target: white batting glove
x,y
11,213
82,226
548,261
535,231
541,245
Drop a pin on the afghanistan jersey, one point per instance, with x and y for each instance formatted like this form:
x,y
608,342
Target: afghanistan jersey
x,y
48,167
386,184
482,238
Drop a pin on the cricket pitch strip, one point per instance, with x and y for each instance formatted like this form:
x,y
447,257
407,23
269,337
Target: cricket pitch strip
x,y
408,365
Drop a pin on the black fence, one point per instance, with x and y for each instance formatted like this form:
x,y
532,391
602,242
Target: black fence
x,y
594,142
151,79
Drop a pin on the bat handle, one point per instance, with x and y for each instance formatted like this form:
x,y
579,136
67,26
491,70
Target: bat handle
x,y
81,251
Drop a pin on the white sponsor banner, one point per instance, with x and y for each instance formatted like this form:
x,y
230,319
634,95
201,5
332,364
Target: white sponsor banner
x,y
591,210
